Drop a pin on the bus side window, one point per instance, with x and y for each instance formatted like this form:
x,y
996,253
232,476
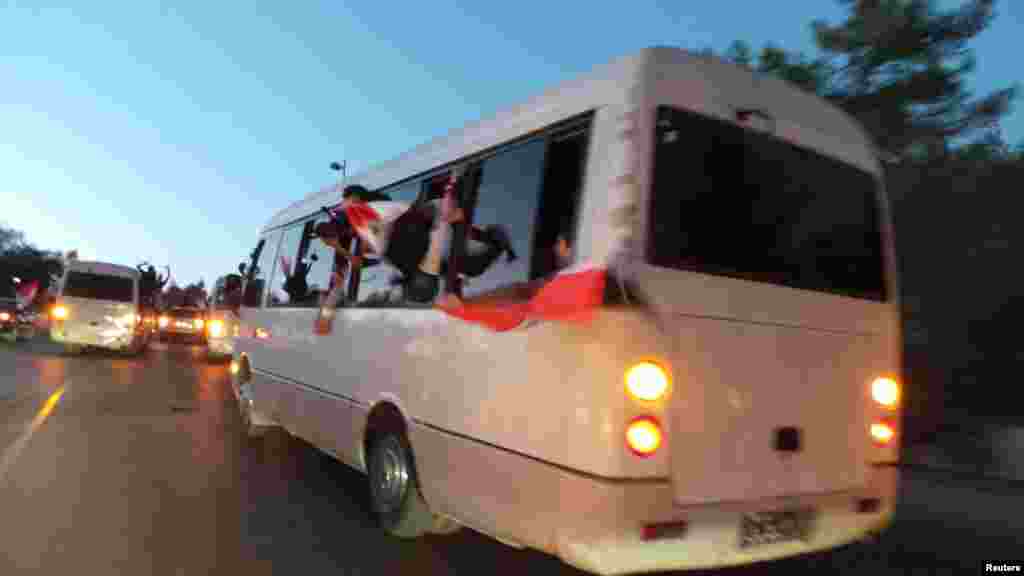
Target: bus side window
x,y
508,195
560,199
282,291
254,288
374,283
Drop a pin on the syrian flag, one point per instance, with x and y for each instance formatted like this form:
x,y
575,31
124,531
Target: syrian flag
x,y
372,221
26,292
571,296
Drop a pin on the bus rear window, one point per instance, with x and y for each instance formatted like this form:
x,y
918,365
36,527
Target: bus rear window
x,y
734,202
99,287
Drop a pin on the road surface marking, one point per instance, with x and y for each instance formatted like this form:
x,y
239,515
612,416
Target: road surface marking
x,y
12,452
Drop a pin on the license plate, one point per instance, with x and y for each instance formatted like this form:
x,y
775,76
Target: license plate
x,y
775,526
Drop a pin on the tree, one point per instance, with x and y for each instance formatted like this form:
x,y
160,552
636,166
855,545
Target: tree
x,y
20,259
190,296
173,296
899,68
195,294
151,284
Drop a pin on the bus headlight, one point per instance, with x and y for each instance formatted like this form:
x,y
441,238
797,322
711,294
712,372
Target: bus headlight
x,y
886,392
163,321
60,313
4,316
647,381
643,435
216,328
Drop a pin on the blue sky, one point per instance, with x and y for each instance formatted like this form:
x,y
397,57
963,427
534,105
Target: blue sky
x,y
138,131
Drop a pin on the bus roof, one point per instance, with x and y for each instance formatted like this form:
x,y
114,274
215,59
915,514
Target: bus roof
x,y
104,268
611,83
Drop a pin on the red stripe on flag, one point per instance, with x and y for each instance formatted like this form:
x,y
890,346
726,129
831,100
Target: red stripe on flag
x,y
497,317
27,291
570,297
360,214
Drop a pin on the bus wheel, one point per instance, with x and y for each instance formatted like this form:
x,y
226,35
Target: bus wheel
x,y
394,492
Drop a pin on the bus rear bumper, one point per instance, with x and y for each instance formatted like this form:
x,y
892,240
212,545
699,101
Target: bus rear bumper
x,y
596,523
711,534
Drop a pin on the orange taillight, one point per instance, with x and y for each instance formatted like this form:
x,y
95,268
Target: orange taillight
x,y
643,435
647,381
886,392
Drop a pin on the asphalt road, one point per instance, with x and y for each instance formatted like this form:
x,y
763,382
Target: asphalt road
x,y
112,465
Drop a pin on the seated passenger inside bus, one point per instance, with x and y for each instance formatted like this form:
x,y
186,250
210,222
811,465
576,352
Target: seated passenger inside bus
x,y
560,257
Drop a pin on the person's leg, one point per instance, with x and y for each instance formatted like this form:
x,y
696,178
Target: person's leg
x,y
496,241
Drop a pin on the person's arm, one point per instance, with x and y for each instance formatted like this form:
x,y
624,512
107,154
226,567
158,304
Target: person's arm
x,y
512,293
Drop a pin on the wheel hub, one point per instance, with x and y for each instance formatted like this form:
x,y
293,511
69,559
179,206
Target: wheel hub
x,y
390,476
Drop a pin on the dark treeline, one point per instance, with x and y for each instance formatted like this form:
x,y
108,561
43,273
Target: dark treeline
x,y
959,244
901,68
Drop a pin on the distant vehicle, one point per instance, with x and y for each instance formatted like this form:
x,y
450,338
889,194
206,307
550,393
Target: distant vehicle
x,y
734,396
182,324
15,323
97,306
222,317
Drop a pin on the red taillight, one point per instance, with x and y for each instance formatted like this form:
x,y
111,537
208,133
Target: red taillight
x,y
663,530
643,435
882,432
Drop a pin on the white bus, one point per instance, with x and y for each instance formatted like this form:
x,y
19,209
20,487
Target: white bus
x,y
735,397
98,307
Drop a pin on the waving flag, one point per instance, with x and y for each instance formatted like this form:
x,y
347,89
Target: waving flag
x,y
372,220
571,296
26,292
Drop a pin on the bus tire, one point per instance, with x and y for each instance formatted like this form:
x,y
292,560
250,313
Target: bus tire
x,y
394,489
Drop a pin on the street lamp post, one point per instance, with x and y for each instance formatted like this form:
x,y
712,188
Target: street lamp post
x,y
339,167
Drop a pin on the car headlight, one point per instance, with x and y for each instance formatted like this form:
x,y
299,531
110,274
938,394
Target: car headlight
x,y
216,328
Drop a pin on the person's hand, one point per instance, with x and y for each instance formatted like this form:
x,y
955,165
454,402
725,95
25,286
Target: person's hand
x,y
322,325
449,301
455,216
